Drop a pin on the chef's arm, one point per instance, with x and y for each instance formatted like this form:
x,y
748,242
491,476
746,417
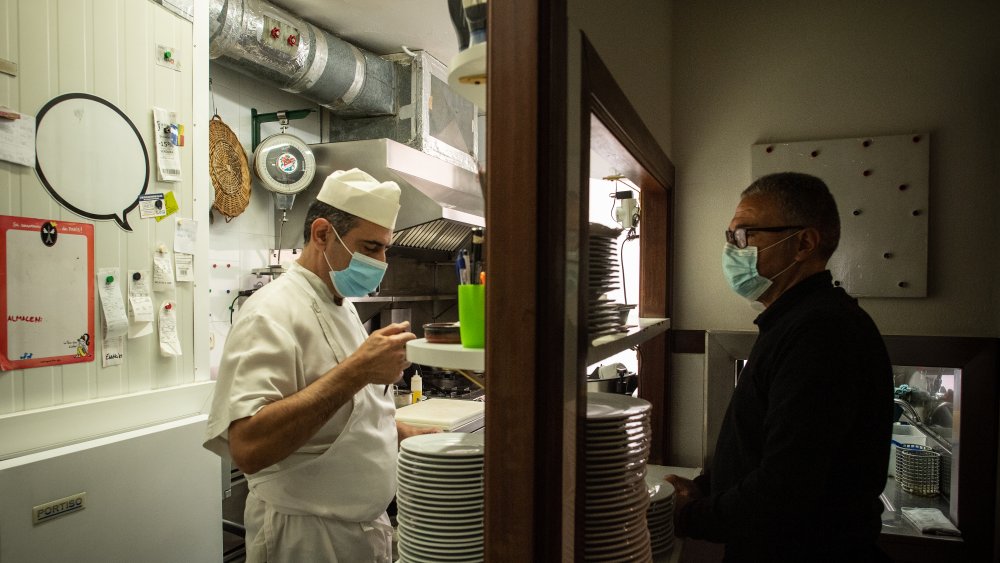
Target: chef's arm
x,y
283,426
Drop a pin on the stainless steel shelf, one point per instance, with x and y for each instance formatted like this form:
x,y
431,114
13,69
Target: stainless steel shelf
x,y
605,346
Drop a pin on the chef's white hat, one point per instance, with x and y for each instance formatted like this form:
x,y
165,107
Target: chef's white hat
x,y
358,193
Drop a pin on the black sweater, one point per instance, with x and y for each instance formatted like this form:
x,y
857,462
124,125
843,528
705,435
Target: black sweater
x,y
803,451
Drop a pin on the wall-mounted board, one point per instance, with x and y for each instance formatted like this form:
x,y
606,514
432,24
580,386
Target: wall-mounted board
x,y
46,292
882,188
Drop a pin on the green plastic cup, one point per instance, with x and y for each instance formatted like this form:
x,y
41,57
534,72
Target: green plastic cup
x,y
472,315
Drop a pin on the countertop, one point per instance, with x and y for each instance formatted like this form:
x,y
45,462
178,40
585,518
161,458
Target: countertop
x,y
893,522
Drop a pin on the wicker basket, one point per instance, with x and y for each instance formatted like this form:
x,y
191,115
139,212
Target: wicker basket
x,y
917,469
228,168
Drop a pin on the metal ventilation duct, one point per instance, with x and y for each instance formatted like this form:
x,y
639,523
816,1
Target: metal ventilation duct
x,y
266,42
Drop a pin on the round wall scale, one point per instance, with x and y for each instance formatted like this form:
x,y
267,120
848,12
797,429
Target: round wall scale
x,y
285,166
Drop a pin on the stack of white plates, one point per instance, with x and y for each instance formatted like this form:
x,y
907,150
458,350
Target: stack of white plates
x,y
440,498
602,277
660,515
617,446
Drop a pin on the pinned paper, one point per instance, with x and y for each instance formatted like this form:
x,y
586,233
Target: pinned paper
x,y
170,344
17,140
163,270
114,321
170,203
185,235
185,267
113,351
140,304
168,158
151,205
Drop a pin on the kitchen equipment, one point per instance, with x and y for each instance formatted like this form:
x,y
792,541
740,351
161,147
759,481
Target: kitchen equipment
x,y
442,333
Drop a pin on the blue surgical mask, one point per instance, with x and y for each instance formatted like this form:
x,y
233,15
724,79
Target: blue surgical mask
x,y
362,275
739,265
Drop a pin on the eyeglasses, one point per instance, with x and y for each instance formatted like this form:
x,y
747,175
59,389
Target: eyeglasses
x,y
739,236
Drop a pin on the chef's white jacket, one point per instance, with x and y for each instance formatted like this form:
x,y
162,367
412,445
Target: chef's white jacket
x,y
325,502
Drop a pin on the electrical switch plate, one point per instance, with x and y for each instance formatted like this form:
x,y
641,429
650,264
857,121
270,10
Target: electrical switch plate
x,y
167,56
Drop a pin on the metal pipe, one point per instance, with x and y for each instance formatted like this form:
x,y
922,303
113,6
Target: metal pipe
x,y
911,414
269,43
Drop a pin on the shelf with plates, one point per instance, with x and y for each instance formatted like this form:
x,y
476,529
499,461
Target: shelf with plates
x,y
605,346
452,356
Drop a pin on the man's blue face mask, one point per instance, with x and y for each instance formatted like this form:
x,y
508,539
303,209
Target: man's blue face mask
x,y
362,275
739,265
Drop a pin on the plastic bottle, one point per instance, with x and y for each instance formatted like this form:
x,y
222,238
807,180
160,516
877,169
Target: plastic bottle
x,y
416,387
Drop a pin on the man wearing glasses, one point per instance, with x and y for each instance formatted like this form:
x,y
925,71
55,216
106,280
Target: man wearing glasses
x,y
802,454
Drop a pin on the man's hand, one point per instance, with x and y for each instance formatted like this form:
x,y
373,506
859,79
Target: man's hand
x,y
405,430
382,356
685,491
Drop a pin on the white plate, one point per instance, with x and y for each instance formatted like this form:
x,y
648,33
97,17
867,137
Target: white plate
x,y
466,522
659,490
446,444
436,535
439,477
614,504
610,406
417,502
437,526
440,464
443,496
413,554
632,552
457,544
418,472
597,545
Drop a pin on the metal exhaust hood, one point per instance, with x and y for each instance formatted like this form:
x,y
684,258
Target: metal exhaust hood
x,y
440,201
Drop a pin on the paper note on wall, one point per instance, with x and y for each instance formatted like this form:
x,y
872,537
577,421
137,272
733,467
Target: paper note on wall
x,y
114,320
140,304
46,292
168,158
17,140
163,271
185,235
170,344
185,267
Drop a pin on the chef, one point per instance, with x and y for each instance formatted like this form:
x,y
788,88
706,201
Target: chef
x,y
300,405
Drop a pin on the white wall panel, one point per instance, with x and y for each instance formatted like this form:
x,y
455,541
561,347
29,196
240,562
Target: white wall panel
x,y
245,242
105,48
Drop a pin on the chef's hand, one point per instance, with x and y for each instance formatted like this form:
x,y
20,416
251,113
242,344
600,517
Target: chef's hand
x,y
382,356
685,491
404,430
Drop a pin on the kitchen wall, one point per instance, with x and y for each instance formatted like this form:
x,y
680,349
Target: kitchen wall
x,y
239,246
106,48
82,427
782,70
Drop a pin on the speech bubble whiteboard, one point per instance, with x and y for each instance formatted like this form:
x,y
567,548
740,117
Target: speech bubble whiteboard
x,y
90,157
46,292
